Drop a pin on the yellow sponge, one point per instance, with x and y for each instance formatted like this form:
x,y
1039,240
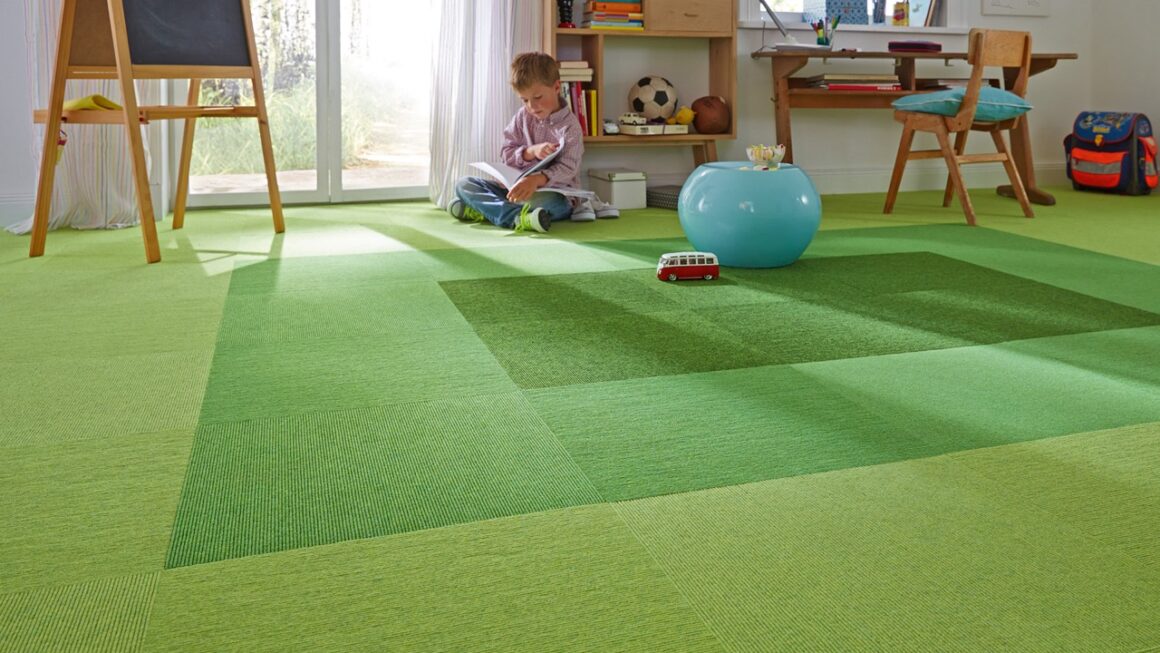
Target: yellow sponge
x,y
91,102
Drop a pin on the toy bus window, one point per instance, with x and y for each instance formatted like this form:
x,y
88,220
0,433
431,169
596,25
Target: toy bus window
x,y
700,260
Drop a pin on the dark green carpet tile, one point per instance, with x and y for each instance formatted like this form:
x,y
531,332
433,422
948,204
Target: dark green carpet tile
x,y
262,486
645,437
1099,275
567,329
80,510
105,615
566,580
1106,484
68,399
924,555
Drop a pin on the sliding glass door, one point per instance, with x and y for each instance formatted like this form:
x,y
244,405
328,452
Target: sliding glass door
x,y
347,88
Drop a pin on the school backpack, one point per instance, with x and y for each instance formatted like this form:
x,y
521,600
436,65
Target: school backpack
x,y
1113,152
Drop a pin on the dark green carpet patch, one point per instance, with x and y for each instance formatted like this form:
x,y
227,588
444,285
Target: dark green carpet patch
x,y
566,329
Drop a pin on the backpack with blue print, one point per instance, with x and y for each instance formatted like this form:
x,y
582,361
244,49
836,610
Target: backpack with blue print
x,y
1113,152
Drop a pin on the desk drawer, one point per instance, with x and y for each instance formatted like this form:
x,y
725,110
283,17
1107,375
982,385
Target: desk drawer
x,y
689,15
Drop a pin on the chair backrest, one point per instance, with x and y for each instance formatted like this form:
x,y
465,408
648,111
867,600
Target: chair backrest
x,y
993,48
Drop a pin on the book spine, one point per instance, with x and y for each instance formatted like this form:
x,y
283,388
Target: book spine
x,y
630,7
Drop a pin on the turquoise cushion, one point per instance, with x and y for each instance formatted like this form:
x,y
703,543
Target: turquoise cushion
x,y
995,104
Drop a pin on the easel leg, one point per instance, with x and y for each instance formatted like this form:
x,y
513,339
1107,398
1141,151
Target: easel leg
x,y
268,154
133,131
186,157
52,131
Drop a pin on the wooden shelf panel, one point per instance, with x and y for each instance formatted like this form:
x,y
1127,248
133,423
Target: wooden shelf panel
x,y
583,31
148,113
658,139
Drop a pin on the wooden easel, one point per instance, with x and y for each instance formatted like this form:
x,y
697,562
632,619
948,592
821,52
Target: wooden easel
x,y
99,40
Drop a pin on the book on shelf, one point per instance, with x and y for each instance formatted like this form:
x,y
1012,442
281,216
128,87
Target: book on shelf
x,y
852,78
615,16
863,87
509,176
576,75
626,27
631,7
571,63
593,113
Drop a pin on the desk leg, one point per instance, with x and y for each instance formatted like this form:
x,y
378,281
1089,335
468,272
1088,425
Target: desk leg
x,y
704,153
783,67
1021,153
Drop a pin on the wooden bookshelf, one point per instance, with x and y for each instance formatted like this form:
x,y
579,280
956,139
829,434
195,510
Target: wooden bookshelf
x,y
714,21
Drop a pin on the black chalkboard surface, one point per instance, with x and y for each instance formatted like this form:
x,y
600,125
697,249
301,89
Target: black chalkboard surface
x,y
186,32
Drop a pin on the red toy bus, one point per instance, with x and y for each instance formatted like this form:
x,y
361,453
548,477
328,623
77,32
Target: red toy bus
x,y
688,265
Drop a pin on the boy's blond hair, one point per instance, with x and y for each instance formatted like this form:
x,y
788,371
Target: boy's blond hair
x,y
534,68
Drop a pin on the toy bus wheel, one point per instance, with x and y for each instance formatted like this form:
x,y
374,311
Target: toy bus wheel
x,y
672,277
708,277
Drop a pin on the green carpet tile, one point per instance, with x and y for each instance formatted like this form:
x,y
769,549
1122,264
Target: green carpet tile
x,y
980,396
1105,485
105,615
262,486
338,373
567,580
76,511
62,399
562,330
926,555
644,437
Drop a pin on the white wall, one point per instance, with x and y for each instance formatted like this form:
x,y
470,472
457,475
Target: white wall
x,y
1126,75
17,174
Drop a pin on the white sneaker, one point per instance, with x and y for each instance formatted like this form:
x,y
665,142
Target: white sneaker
x,y
583,212
605,210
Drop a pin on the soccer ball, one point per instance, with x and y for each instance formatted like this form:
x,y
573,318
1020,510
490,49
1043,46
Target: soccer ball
x,y
653,97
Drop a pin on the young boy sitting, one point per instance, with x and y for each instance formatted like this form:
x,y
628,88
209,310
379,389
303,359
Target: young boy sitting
x,y
534,133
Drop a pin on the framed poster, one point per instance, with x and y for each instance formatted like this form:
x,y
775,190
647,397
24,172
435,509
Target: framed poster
x,y
1017,7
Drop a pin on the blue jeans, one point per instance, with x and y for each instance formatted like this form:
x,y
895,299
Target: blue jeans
x,y
490,199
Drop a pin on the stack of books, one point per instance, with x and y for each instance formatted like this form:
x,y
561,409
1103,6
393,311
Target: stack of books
x,y
855,82
625,16
575,71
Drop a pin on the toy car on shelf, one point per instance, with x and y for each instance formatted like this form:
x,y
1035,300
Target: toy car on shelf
x,y
688,265
632,119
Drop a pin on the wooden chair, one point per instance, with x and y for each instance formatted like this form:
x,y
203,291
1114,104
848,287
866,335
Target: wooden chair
x,y
1010,50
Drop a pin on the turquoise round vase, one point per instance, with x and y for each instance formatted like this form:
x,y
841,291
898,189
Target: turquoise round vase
x,y
750,218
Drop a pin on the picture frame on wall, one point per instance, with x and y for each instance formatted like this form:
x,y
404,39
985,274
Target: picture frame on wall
x,y
1017,7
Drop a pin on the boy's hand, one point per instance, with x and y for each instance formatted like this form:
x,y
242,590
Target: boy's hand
x,y
525,187
540,151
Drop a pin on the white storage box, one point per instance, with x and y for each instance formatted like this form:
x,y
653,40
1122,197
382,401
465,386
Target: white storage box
x,y
620,187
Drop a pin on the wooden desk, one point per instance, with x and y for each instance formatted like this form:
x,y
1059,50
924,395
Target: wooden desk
x,y
790,93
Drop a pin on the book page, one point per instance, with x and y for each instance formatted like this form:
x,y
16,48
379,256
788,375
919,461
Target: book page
x,y
509,176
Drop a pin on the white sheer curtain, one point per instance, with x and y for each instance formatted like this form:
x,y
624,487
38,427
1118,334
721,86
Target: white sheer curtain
x,y
471,99
93,186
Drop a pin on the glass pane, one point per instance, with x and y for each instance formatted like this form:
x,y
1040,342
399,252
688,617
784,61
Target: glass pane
x,y
386,90
227,153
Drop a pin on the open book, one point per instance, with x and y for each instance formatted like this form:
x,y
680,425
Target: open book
x,y
509,176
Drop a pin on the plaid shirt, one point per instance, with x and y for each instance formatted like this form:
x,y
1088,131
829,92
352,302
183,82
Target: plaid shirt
x,y
526,130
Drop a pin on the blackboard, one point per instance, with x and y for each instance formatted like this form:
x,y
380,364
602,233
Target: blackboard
x,y
186,33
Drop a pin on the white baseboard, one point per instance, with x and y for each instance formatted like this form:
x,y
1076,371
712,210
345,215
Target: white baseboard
x,y
14,208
